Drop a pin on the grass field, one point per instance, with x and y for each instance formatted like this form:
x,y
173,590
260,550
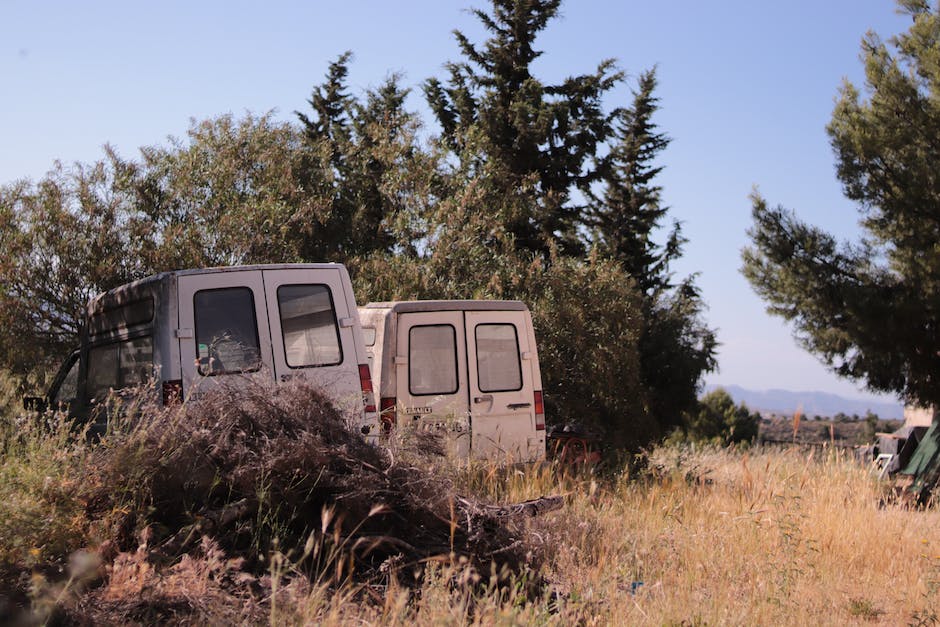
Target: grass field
x,y
690,536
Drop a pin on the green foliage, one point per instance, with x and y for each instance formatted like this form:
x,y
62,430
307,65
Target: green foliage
x,y
525,178
64,239
589,320
676,348
719,420
225,196
236,191
361,158
870,310
531,141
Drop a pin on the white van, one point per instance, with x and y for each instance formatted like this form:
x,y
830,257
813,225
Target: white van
x,y
188,330
465,367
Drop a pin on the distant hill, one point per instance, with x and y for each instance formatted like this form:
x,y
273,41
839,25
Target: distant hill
x,y
813,403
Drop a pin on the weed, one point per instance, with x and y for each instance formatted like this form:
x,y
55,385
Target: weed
x,y
924,618
260,484
864,609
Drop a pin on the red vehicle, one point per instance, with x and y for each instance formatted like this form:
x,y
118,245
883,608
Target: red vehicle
x,y
573,447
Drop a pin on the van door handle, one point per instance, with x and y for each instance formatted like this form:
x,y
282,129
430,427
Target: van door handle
x,y
518,405
484,398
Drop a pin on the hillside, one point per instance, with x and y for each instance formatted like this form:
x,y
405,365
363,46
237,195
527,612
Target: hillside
x,y
785,402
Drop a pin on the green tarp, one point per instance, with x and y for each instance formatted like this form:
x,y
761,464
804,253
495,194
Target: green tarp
x,y
924,465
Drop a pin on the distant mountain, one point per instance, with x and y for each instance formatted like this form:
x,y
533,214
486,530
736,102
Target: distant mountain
x,y
812,403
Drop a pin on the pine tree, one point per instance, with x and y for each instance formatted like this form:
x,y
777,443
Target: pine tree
x,y
871,310
676,347
528,142
628,215
383,158
351,146
330,103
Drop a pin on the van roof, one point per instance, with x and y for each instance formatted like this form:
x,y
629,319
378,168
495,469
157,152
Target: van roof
x,y
411,306
259,266
157,278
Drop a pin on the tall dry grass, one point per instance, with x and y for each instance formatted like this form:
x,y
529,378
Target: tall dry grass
x,y
766,536
703,536
692,536
255,495
40,458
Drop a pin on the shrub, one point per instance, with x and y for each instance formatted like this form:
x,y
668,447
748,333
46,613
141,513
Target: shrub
x,y
718,420
587,316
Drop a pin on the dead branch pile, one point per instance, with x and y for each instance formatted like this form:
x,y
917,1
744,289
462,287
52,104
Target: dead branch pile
x,y
246,473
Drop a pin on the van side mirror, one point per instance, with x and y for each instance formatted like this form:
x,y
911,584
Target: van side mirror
x,y
35,403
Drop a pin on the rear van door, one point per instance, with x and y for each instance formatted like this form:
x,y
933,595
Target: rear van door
x,y
431,373
284,323
313,332
223,328
502,412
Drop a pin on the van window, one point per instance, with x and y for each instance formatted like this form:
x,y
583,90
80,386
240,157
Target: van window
x,y
121,316
308,324
498,365
226,331
68,388
119,365
368,334
432,359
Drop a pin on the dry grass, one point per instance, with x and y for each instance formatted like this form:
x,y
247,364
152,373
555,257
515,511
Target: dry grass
x,y
770,536
761,537
697,536
258,491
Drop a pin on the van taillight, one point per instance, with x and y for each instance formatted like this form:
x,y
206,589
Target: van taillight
x,y
388,414
172,392
365,381
539,411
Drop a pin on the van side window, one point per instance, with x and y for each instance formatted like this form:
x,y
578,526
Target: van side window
x,y
432,359
68,388
498,365
122,316
226,331
308,324
119,365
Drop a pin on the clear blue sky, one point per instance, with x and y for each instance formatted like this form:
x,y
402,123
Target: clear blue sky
x,y
746,90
